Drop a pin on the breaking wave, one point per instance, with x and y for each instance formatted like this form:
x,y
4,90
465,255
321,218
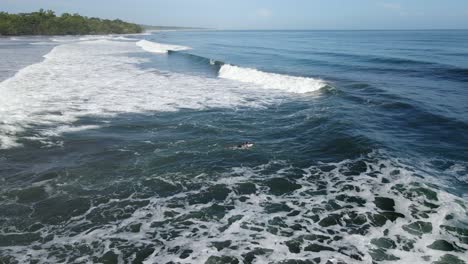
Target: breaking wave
x,y
271,80
159,47
267,80
98,78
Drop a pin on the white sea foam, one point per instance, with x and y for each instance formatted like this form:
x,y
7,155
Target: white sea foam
x,y
159,47
69,129
146,33
176,223
26,38
98,78
95,37
64,39
271,80
7,141
124,38
69,39
42,43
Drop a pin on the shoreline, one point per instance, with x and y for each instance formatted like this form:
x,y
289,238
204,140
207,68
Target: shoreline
x,y
145,32
84,35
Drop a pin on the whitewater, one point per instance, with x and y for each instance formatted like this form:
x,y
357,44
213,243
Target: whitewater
x,y
92,76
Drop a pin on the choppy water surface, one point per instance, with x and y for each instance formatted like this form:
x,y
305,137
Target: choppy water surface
x,y
120,149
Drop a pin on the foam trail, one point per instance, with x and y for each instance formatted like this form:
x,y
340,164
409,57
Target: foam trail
x,y
158,47
43,43
271,80
124,38
140,34
95,37
63,39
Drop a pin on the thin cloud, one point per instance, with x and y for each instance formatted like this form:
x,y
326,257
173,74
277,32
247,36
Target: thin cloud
x,y
391,6
264,13
395,8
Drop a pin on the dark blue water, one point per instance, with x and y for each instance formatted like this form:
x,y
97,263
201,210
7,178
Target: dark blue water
x,y
113,154
420,76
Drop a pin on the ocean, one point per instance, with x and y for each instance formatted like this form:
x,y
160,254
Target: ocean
x,y
131,149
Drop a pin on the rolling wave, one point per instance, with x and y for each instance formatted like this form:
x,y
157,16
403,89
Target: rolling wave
x,y
89,76
197,58
271,80
158,47
267,80
95,78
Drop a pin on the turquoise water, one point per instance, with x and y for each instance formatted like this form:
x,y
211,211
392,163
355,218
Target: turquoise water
x,y
118,150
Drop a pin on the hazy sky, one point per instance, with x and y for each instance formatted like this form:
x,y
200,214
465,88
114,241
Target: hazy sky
x,y
267,14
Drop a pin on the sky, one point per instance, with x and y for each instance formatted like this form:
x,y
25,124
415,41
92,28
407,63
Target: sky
x,y
266,14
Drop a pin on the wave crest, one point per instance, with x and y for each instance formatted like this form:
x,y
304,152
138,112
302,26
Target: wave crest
x,y
97,79
287,83
159,47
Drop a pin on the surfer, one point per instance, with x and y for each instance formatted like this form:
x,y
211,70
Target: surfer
x,y
243,146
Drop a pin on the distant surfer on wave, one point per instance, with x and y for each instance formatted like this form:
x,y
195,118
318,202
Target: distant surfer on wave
x,y
243,146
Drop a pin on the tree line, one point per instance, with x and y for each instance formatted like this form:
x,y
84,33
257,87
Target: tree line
x,y
47,23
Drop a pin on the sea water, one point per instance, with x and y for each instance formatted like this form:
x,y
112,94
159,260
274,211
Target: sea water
x,y
122,149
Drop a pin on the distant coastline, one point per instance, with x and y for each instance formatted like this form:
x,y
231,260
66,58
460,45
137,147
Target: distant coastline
x,y
47,23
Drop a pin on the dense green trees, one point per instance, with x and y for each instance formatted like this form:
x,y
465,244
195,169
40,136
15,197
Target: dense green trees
x,y
47,23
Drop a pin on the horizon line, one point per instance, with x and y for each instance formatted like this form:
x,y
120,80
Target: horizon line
x,y
228,29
